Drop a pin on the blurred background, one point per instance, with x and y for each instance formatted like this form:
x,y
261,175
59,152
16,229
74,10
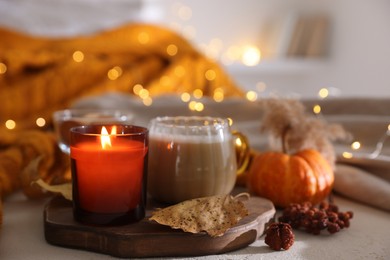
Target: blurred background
x,y
299,48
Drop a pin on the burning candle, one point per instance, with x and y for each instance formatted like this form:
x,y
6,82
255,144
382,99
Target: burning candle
x,y
109,165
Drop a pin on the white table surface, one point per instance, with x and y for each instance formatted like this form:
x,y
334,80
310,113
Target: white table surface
x,y
22,237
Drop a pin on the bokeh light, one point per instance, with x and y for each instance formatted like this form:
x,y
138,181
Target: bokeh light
x,y
137,88
210,74
185,97
172,49
10,124
78,56
317,109
251,56
114,73
356,145
251,95
323,93
197,93
41,122
218,95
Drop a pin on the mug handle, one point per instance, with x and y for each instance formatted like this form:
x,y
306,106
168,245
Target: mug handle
x,y
241,145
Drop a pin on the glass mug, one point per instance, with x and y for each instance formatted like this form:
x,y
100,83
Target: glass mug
x,y
64,120
192,157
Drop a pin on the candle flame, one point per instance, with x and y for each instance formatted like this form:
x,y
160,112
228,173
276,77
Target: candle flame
x,y
105,138
113,130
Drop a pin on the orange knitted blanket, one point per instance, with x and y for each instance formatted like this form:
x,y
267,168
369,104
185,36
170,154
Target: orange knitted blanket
x,y
39,75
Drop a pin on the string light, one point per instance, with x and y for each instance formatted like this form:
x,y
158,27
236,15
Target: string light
x,y
172,49
143,93
197,93
196,106
78,56
10,124
317,109
323,93
251,56
185,97
137,88
114,73
380,143
199,106
251,95
41,122
218,95
356,145
191,105
3,68
210,74
148,101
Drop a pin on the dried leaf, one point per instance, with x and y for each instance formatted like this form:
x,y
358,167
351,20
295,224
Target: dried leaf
x,y
64,189
214,214
30,174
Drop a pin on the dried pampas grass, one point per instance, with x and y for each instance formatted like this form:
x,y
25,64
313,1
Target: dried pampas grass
x,y
291,129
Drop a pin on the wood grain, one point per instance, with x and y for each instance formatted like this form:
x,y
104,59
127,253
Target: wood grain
x,y
149,239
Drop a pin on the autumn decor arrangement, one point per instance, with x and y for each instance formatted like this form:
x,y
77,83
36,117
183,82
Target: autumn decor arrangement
x,y
47,74
300,168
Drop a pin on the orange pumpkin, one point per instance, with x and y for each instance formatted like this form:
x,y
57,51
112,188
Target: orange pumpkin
x,y
285,179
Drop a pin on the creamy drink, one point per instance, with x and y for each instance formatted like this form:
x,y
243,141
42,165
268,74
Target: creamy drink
x,y
190,162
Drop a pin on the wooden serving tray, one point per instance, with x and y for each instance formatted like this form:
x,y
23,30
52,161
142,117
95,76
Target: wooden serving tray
x,y
149,239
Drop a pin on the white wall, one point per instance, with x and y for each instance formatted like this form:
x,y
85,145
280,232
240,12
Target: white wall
x,y
359,57
360,61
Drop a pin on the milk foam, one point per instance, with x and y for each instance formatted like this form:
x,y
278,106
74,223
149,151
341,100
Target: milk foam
x,y
188,138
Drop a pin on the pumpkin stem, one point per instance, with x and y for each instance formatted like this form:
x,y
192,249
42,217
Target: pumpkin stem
x,y
284,139
330,197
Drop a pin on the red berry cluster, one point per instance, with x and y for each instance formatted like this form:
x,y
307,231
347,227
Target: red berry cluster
x,y
314,219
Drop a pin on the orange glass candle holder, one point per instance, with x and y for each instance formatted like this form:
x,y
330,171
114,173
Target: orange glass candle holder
x,y
109,167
